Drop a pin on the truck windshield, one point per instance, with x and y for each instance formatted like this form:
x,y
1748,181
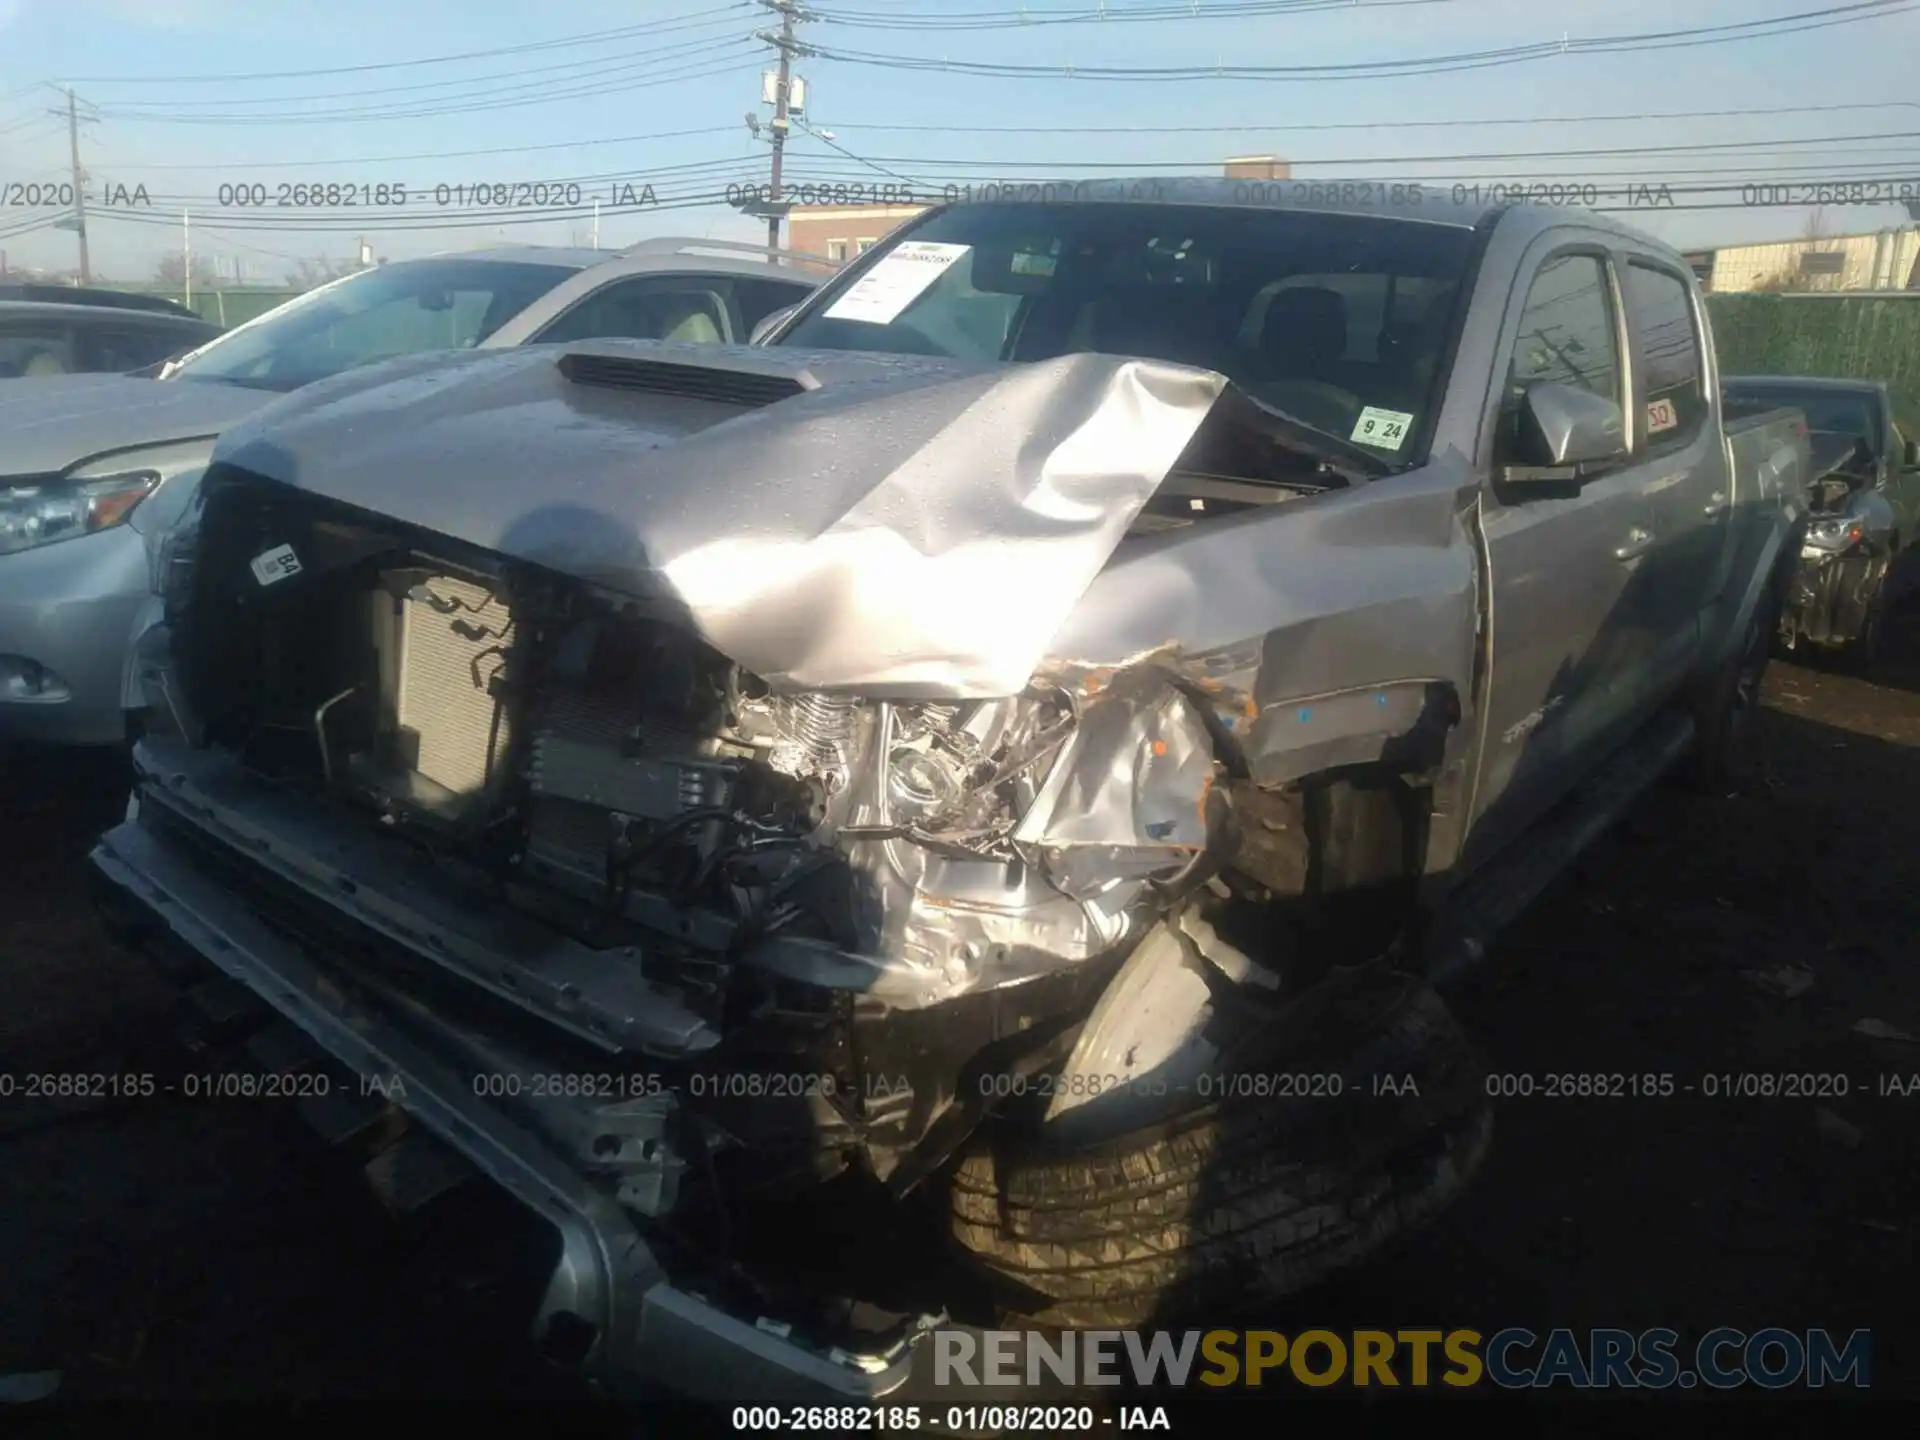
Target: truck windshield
x,y
1339,321
399,309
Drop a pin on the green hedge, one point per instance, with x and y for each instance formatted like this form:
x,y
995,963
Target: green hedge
x,y
232,307
1845,337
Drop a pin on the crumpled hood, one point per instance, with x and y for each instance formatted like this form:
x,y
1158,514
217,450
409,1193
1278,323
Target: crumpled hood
x,y
866,523
47,425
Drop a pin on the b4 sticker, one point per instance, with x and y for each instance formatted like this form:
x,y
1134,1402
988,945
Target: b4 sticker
x,y
1661,416
276,564
1384,429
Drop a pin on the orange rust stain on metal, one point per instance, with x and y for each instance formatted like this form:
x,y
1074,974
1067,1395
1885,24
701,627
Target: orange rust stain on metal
x,y
1159,748
1200,807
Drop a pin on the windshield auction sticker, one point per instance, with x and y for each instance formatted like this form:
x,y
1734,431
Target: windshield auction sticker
x,y
1383,429
896,282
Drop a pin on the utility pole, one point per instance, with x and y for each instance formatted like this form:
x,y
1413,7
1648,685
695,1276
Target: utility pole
x,y
186,256
596,224
79,179
788,11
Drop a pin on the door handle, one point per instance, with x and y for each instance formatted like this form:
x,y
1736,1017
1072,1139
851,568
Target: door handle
x,y
1716,505
1638,543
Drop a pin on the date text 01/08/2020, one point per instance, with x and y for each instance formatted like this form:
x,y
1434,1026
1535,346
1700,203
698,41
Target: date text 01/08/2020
x,y
482,194
1346,193
1718,1085
953,1419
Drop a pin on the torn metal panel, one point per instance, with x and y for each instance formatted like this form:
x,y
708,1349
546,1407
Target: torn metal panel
x,y
903,527
1296,606
1136,772
1147,1048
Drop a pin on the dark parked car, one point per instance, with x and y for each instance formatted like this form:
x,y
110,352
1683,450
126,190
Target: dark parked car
x,y
39,339
85,295
1864,502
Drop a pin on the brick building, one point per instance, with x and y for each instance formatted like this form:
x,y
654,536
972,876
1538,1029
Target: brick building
x,y
840,232
1258,167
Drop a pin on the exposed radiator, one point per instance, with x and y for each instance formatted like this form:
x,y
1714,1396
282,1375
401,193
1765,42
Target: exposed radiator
x,y
443,675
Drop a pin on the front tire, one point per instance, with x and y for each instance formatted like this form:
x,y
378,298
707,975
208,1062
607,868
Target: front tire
x,y
1251,1196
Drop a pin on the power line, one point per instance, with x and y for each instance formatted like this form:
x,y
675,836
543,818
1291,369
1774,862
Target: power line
x,y
1104,15
583,69
247,166
591,37
329,117
543,95
1729,33
1745,113
1771,143
859,160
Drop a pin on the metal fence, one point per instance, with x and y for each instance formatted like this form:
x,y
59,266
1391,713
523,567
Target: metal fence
x,y
1847,337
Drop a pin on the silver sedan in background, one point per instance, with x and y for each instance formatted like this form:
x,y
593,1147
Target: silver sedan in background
x,y
96,469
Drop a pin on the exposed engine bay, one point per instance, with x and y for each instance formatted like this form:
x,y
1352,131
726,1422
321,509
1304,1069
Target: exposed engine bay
x,y
535,725
793,868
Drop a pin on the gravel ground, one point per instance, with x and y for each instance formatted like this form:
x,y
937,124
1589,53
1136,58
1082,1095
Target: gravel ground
x,y
166,1249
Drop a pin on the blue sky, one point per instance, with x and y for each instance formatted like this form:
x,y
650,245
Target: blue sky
x,y
697,72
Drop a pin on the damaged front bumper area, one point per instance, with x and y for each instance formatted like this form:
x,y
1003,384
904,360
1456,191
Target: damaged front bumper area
x,y
1845,558
1834,596
590,1163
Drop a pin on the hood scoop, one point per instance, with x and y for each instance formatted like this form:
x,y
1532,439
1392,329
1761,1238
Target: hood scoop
x,y
723,386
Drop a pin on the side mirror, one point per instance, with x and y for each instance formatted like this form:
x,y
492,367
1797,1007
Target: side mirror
x,y
1565,434
769,323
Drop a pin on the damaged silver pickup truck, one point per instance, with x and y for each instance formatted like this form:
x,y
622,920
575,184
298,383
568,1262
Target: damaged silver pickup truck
x,y
953,812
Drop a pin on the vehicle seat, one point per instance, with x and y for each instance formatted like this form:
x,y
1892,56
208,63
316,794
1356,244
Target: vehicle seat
x,y
1182,325
1304,335
691,322
42,363
1160,323
1303,346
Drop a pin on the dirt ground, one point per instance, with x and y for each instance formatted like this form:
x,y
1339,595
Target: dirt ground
x,y
168,1249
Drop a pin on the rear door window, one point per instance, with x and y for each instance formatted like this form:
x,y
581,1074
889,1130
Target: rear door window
x,y
36,347
1666,340
126,347
653,307
757,299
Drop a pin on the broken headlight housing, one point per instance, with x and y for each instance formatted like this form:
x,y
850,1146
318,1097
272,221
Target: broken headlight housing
x,y
1834,536
969,769
964,770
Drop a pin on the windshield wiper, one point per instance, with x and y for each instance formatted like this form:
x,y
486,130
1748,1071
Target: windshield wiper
x,y
243,382
1355,461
